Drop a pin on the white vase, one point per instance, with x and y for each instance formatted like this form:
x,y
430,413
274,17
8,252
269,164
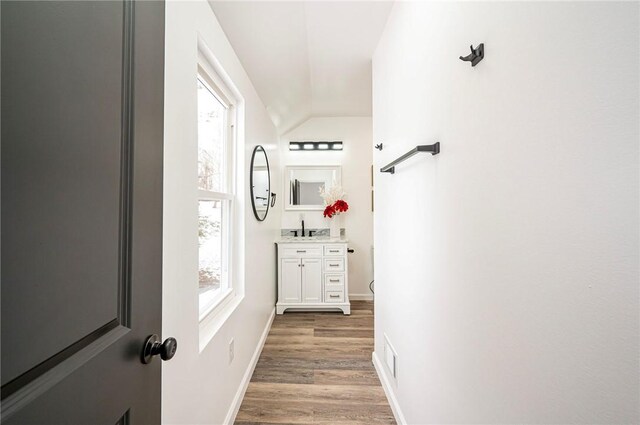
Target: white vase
x,y
334,226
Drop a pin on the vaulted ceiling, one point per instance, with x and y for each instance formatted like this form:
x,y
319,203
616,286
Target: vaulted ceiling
x,y
309,58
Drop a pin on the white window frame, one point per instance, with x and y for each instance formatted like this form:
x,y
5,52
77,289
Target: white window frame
x,y
210,78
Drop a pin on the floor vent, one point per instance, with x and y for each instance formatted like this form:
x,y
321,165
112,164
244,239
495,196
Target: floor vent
x,y
390,358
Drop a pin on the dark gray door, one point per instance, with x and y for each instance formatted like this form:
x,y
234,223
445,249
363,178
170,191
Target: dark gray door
x,y
82,128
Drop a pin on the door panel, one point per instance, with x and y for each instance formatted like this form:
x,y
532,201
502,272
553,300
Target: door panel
x,y
290,280
311,280
82,112
69,193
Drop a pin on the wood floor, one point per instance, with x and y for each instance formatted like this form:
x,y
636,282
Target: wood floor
x,y
316,369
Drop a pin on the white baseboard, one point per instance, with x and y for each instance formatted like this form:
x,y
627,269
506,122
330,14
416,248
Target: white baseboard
x,y
361,297
244,384
388,390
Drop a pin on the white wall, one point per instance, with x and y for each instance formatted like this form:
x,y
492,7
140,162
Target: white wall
x,y
198,387
355,159
507,274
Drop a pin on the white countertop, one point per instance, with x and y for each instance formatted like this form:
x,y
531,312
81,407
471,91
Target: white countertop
x,y
310,239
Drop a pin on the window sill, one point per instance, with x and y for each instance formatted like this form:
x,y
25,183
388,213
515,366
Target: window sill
x,y
212,319
215,302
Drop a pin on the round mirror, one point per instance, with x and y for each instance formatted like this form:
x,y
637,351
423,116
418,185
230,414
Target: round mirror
x,y
260,181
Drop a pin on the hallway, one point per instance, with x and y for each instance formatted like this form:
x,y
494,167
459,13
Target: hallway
x,y
200,198
316,368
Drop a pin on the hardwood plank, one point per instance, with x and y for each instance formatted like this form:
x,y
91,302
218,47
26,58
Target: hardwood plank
x,y
344,322
281,330
307,321
275,412
277,340
339,414
361,305
345,394
311,351
288,413
290,339
267,423
361,312
347,333
283,375
346,377
314,363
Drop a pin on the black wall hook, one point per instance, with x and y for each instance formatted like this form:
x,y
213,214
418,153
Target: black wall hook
x,y
378,146
476,55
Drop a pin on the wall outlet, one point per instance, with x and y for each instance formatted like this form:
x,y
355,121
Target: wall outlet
x,y
390,358
231,350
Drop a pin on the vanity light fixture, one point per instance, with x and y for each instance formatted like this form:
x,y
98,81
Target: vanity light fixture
x,y
315,146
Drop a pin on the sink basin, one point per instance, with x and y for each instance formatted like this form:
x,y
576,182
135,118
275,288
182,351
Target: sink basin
x,y
301,238
320,238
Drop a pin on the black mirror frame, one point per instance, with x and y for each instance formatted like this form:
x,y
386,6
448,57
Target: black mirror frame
x,y
272,195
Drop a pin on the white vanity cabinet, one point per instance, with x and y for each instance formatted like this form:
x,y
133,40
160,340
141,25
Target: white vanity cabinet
x,y
313,276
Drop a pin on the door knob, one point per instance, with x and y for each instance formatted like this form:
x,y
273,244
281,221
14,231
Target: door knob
x,y
153,346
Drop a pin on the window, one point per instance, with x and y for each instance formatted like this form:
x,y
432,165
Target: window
x,y
216,117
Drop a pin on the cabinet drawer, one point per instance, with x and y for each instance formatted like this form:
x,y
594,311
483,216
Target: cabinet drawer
x,y
333,250
302,251
334,282
334,296
334,264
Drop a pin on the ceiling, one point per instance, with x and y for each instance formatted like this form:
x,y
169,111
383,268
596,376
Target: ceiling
x,y
306,58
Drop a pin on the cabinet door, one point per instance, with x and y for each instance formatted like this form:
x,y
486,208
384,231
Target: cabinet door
x,y
311,280
290,291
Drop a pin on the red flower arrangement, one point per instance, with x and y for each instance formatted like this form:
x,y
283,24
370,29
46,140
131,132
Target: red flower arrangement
x,y
335,208
333,200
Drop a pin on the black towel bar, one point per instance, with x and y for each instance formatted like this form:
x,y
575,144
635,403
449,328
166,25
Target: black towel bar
x,y
391,167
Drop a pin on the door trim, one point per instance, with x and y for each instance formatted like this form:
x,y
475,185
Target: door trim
x,y
126,163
